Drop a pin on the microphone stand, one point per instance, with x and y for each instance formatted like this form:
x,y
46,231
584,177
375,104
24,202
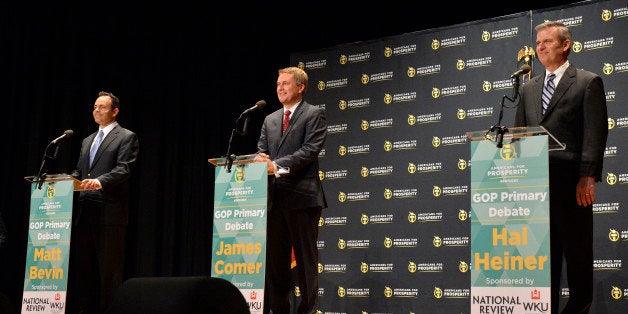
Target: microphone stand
x,y
231,157
41,176
498,128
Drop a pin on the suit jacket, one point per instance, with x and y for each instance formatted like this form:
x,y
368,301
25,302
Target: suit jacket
x,y
576,116
115,159
297,149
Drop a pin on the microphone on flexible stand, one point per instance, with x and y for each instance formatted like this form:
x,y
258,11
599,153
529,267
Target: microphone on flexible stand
x,y
498,128
40,177
245,114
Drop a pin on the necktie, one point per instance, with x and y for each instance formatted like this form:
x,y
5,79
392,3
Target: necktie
x,y
548,90
94,149
286,120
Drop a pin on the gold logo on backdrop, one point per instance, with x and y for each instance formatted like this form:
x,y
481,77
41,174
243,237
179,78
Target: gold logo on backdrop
x,y
438,292
411,168
301,65
321,85
437,241
607,15
486,36
460,65
364,79
435,141
435,92
321,222
388,292
487,86
461,114
611,123
342,104
387,146
436,191
297,291
342,244
321,175
320,268
463,215
611,178
388,52
387,194
343,59
342,150
576,47
616,293
342,292
388,242
387,99
364,125
50,191
462,164
364,267
463,266
435,44
411,217
613,235
411,72
608,69
342,197
364,172
411,119
412,267
364,219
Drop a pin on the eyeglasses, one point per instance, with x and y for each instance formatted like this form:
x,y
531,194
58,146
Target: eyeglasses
x,y
102,107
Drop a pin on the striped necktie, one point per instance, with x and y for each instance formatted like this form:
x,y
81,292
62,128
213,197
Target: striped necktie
x,y
548,90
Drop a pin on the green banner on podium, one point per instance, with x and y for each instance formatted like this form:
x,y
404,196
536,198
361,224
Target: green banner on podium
x,y
510,249
48,248
239,238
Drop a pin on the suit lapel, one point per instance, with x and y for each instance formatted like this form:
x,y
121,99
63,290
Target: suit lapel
x,y
569,77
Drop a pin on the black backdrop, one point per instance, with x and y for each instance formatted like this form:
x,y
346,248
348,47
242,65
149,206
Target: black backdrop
x,y
183,74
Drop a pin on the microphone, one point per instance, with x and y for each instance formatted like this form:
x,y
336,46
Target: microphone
x,y
525,69
65,134
258,105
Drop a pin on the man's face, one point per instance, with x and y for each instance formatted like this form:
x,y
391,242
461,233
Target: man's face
x,y
549,49
103,113
288,91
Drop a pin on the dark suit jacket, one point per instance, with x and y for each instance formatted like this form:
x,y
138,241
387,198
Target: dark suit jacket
x,y
576,116
113,163
298,150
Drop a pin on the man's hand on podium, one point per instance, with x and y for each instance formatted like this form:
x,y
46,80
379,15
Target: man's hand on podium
x,y
91,184
262,157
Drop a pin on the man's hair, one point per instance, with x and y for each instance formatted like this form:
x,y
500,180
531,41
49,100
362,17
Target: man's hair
x,y
299,75
564,33
115,102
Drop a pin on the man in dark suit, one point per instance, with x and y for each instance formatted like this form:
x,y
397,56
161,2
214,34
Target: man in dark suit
x,y
576,115
295,193
101,213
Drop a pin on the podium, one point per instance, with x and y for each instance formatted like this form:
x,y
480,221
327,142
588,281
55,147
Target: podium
x,y
48,247
239,225
510,236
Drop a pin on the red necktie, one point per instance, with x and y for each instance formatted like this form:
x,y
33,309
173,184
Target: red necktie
x,y
286,120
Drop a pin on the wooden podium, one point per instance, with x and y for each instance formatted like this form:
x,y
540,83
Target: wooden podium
x,y
239,226
48,247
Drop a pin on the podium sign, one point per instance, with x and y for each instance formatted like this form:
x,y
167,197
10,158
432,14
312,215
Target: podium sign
x,y
48,248
239,238
510,252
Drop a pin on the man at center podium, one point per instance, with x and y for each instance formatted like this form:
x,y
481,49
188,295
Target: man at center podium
x,y
290,141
